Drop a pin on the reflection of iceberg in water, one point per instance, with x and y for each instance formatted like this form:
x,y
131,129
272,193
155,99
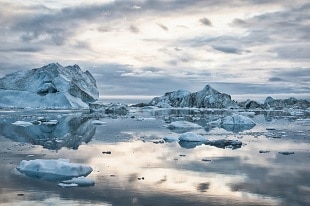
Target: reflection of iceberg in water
x,y
236,128
70,132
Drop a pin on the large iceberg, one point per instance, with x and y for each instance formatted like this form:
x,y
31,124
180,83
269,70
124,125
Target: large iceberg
x,y
52,169
51,86
206,98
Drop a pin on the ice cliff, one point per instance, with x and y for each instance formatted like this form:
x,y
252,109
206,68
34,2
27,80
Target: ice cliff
x,y
51,86
206,98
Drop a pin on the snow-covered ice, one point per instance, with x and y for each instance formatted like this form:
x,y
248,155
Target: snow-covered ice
x,y
98,122
206,98
171,139
53,169
183,125
51,86
77,181
146,119
192,137
22,123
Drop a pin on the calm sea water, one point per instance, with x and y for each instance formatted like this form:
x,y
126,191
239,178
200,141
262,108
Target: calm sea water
x,y
142,169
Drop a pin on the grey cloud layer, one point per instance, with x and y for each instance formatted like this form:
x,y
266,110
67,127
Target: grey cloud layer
x,y
285,32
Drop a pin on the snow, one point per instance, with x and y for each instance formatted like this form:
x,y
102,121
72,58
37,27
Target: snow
x,y
206,98
53,169
98,122
237,119
192,137
51,86
22,123
183,124
77,181
50,122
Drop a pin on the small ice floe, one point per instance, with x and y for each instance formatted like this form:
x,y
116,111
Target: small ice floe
x,y
286,153
192,137
146,119
50,122
53,169
296,112
225,143
98,122
77,182
43,120
264,151
171,139
22,123
183,125
270,128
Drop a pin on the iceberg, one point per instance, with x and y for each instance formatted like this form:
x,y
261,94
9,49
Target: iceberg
x,y
192,137
237,123
111,108
206,98
51,86
183,126
52,169
22,123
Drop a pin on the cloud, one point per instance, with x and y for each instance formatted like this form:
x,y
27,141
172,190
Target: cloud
x,y
294,52
230,50
205,21
134,29
276,79
163,27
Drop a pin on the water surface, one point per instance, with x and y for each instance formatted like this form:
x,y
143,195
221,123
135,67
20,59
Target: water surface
x,y
134,166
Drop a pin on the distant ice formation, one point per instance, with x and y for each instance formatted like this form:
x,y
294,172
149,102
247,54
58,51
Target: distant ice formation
x,y
206,98
51,86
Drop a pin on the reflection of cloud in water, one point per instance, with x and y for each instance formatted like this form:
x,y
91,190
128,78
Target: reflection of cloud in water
x,y
70,131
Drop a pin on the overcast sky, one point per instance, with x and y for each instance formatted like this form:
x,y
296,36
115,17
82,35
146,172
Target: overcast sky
x,y
149,47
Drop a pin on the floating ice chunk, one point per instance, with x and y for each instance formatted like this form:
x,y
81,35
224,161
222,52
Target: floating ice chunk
x,y
77,181
286,153
53,169
98,122
146,119
192,137
171,139
225,143
50,122
183,124
22,123
67,185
